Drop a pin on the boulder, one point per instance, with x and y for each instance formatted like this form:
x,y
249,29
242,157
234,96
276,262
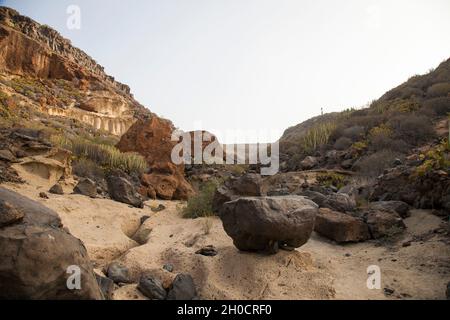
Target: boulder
x,y
182,288
267,223
152,288
152,138
56,189
37,255
248,185
384,223
221,195
118,273
341,202
120,189
400,207
106,286
308,163
340,227
86,187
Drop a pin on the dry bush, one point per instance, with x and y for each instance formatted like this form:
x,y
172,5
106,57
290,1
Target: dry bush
x,y
412,128
87,169
439,90
342,143
373,165
354,133
438,106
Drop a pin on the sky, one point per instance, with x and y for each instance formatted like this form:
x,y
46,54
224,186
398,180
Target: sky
x,y
247,70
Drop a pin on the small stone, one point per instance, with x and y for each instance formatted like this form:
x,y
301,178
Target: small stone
x,y
209,251
151,288
106,286
159,208
118,273
86,187
348,254
168,267
406,244
183,288
144,218
56,189
43,195
388,291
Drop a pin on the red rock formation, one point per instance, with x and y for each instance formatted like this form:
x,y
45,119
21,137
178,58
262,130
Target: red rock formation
x,y
36,53
152,139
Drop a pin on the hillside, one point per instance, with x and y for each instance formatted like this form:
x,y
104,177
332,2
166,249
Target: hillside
x,y
411,115
43,75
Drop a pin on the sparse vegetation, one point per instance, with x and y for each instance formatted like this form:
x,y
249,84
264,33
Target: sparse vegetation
x,y
200,205
373,165
331,179
106,156
435,159
316,137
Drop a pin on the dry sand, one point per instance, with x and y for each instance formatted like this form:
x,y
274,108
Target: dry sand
x,y
320,269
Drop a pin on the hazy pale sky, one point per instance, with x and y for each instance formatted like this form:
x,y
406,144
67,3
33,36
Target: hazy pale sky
x,y
236,66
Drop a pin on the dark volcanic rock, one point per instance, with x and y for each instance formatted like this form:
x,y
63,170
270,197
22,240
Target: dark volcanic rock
x,y
207,251
248,185
400,207
120,189
384,223
182,288
86,187
118,273
265,223
341,202
151,288
106,286
340,227
56,189
35,254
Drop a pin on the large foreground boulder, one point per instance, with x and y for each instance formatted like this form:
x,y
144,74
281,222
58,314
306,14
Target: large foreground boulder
x,y
340,227
37,256
268,223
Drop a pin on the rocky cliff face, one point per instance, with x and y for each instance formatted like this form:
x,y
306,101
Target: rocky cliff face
x,y
40,68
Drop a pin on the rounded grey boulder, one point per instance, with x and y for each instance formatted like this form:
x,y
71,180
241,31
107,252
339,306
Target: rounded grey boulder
x,y
269,223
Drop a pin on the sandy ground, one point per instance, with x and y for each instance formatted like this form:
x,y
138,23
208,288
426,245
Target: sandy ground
x,y
320,269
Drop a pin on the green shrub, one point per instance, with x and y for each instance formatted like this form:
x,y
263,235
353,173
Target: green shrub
x,y
200,205
329,179
106,156
316,137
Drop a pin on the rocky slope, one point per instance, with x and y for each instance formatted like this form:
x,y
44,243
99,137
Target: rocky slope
x,y
42,70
